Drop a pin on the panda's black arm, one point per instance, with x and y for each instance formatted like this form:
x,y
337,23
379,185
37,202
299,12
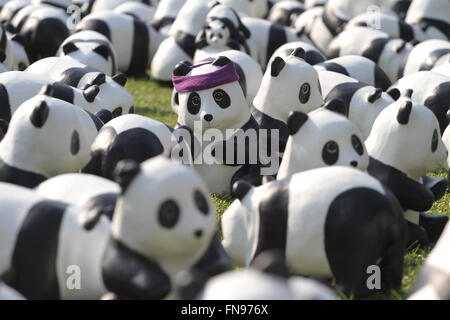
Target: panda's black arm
x,y
128,274
437,185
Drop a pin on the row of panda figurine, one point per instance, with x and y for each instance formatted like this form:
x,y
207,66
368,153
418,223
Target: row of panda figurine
x,y
358,134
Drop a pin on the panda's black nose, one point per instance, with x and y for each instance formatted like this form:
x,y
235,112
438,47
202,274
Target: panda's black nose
x,y
198,233
354,164
208,117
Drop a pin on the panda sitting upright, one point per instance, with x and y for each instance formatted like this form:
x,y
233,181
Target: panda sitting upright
x,y
210,96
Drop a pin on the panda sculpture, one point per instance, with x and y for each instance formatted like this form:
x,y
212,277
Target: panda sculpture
x,y
134,41
251,8
210,97
337,141
266,279
40,143
312,54
319,226
7,58
98,196
288,84
426,55
138,10
401,129
388,53
113,94
92,49
431,16
223,30
434,275
286,12
16,87
180,44
21,60
123,257
129,136
165,14
359,68
430,89
390,23
311,24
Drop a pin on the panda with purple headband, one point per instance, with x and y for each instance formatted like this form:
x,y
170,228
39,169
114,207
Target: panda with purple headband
x,y
209,94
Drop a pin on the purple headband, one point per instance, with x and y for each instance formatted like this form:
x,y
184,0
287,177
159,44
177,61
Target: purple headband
x,y
225,74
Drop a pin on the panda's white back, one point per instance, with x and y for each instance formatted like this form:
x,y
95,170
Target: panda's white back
x,y
329,80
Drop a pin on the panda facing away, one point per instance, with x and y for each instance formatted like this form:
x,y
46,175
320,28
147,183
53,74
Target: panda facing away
x,y
324,229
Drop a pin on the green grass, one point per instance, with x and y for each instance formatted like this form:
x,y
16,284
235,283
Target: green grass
x,y
153,100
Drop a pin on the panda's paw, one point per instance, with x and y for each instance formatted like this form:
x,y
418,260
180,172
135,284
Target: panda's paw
x,y
433,224
438,186
417,235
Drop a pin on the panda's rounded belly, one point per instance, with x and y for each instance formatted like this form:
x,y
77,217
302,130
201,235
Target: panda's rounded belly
x,y
217,177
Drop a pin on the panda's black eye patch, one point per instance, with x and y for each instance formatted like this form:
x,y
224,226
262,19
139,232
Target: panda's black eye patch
x,y
434,141
357,145
117,112
201,202
305,93
75,143
221,98
330,153
194,103
169,214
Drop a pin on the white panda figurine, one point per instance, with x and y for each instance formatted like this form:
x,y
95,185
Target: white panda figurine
x,y
390,23
223,30
267,279
113,94
251,8
288,84
286,12
110,5
312,54
404,145
16,87
316,223
426,55
137,10
359,68
129,136
92,49
40,143
431,16
364,102
85,191
310,24
180,45
21,60
388,53
443,69
134,41
269,36
165,15
7,58
324,137
430,89
434,275
10,9
210,97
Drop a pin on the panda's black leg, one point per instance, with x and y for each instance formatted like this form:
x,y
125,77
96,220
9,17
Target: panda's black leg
x,y
433,224
391,266
437,185
416,235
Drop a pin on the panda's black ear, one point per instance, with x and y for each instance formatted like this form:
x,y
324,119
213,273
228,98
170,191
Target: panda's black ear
x,y
124,173
295,121
221,61
104,115
374,95
299,53
181,69
2,56
394,93
120,79
404,112
69,47
47,90
40,114
408,93
91,93
271,262
338,106
277,65
240,189
98,79
103,51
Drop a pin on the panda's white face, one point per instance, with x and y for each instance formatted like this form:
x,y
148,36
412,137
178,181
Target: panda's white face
x,y
48,136
166,213
325,139
413,146
93,55
217,34
223,107
115,98
294,87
